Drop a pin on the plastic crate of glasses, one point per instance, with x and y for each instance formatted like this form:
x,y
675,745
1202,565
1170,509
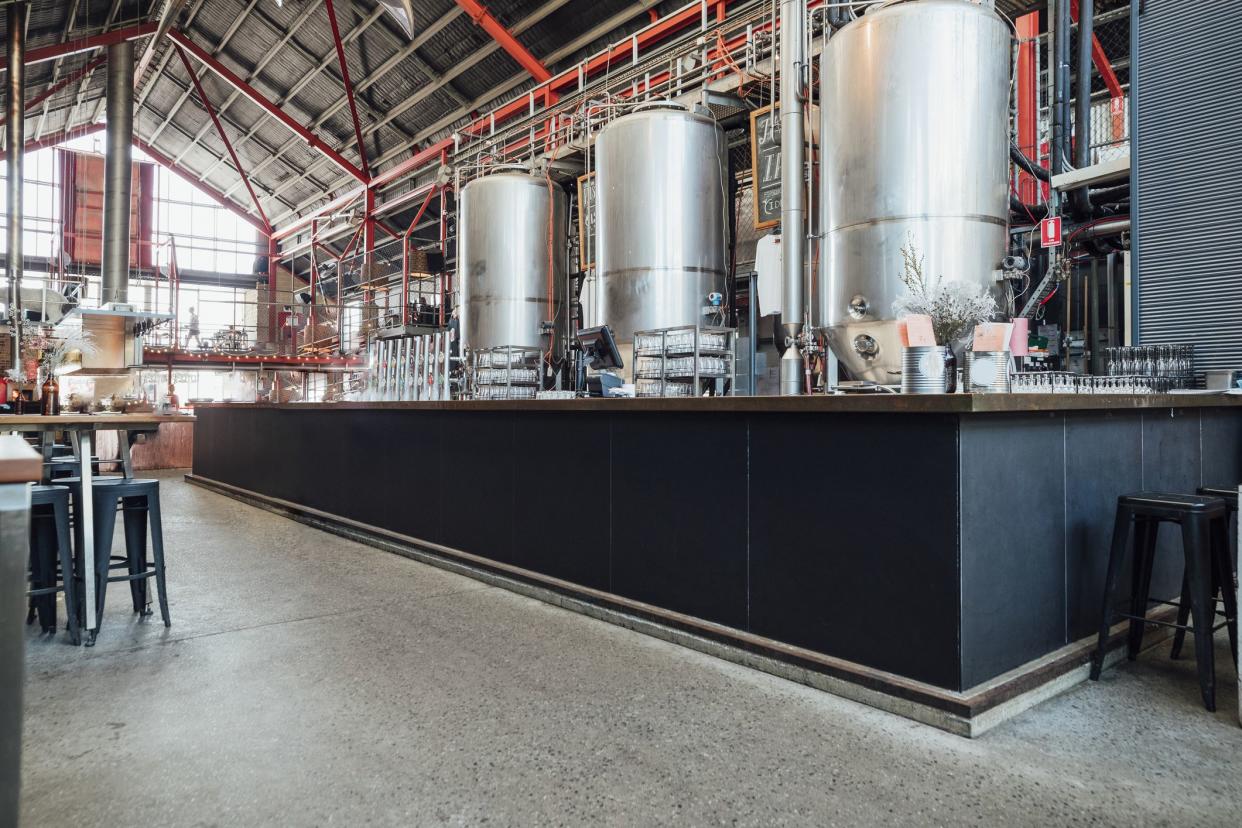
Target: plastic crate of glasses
x,y
506,357
649,367
708,366
649,388
507,376
663,388
505,392
649,344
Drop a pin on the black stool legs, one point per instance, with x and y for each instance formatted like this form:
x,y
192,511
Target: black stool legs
x,y
51,551
137,508
1197,543
1121,533
1204,525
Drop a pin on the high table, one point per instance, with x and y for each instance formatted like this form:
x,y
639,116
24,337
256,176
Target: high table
x,y
19,467
945,551
82,427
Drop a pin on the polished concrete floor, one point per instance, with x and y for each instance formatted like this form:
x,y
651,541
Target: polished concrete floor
x,y
308,680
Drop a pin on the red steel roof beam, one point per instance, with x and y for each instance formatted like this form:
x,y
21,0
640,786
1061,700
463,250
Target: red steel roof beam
x,y
261,101
72,77
55,138
211,112
228,204
482,17
349,88
84,44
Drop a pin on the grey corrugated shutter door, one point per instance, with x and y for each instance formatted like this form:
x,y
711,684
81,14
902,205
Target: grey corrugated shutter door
x,y
1189,170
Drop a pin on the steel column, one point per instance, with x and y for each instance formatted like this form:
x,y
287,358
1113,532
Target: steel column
x,y
118,174
15,134
792,62
273,273
211,112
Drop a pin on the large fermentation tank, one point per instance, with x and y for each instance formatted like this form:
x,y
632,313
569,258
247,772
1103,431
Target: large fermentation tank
x,y
660,247
504,255
914,125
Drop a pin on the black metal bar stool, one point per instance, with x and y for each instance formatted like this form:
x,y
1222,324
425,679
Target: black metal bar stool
x,y
1224,579
51,559
1203,522
140,505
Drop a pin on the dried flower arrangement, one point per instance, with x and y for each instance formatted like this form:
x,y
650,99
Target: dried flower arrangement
x,y
954,306
59,349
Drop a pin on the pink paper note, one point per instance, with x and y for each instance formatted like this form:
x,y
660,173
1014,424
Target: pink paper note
x,y
919,330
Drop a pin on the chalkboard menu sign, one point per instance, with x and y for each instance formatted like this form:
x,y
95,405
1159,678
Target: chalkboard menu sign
x,y
586,222
765,165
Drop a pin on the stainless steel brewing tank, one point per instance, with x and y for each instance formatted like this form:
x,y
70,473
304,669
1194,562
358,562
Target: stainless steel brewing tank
x,y
503,259
915,149
661,187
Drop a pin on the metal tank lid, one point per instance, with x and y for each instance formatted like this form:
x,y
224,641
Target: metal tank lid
x,y
664,105
983,5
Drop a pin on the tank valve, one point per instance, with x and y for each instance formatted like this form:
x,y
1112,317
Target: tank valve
x,y
866,346
859,307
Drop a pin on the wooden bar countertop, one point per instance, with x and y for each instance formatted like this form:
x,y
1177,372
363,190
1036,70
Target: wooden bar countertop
x,y
119,421
873,403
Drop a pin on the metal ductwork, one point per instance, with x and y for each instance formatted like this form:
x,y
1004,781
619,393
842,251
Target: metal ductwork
x,y
15,134
793,210
118,174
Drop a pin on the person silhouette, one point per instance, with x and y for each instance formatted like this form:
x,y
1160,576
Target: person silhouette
x,y
193,331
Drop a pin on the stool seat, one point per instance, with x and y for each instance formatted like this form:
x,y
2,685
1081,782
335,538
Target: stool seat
x,y
76,482
1170,506
1229,494
48,495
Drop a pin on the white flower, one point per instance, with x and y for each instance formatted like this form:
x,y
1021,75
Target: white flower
x,y
954,306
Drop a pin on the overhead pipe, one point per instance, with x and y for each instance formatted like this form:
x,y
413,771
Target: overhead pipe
x,y
1082,100
118,173
1026,164
15,134
793,299
1061,85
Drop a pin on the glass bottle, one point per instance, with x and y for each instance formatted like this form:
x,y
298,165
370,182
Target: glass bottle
x,y
49,402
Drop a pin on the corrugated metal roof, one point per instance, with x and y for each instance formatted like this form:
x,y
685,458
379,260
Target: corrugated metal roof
x,y
287,53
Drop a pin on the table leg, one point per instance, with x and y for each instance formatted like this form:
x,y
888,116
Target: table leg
x,y
47,441
88,536
127,460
